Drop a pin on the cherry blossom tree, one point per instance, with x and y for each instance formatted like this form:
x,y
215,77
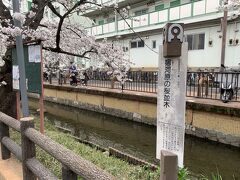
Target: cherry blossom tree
x,y
233,6
62,38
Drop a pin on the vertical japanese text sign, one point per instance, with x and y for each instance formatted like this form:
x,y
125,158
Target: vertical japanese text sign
x,y
172,92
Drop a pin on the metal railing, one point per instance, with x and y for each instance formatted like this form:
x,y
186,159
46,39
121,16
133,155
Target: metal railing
x,y
208,85
72,164
205,85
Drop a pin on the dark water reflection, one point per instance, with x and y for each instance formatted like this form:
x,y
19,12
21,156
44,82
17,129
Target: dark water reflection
x,y
201,157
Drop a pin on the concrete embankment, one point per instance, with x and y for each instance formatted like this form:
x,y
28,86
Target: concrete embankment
x,y
208,119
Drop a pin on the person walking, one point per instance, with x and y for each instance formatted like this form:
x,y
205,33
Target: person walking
x,y
73,74
86,78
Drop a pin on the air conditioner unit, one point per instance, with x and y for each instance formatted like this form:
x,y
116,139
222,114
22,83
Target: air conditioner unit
x,y
235,42
210,43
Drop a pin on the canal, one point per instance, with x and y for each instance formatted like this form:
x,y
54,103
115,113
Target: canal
x,y
201,156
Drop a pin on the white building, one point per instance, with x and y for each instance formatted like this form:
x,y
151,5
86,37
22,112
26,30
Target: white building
x,y
147,18
48,14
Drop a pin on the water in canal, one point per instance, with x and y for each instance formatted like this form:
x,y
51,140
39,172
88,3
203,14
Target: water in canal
x,y
201,156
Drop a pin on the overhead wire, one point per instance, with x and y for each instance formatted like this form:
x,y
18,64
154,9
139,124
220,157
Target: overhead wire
x,y
138,35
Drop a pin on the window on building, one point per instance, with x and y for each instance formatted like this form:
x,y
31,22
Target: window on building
x,y
134,44
137,44
125,49
175,3
110,20
29,5
46,13
58,10
141,12
101,22
141,44
159,7
154,44
196,41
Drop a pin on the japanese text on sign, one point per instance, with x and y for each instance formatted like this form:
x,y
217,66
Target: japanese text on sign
x,y
167,83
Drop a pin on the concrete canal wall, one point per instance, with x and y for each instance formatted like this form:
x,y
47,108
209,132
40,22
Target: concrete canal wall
x,y
212,121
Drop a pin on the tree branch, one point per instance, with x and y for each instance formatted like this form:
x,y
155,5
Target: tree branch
x,y
67,53
33,22
74,7
62,18
54,10
5,14
74,32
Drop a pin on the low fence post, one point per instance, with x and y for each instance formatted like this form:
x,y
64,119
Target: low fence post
x,y
28,148
50,77
64,79
4,132
168,166
61,78
68,174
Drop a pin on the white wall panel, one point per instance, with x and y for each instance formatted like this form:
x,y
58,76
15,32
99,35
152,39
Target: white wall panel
x,y
99,29
136,21
154,18
144,20
198,8
105,28
174,13
186,11
163,16
121,25
111,27
212,6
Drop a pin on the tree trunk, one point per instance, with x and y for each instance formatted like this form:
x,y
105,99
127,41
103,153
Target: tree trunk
x,y
7,95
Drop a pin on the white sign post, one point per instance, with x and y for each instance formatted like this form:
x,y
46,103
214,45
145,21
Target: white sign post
x,y
171,104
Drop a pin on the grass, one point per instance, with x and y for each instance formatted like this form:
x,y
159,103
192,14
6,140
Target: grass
x,y
118,168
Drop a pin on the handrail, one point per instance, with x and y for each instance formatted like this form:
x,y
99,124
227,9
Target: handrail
x,y
11,122
66,157
13,147
72,164
39,170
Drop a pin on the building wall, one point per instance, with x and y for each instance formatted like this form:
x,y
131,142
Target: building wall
x,y
48,15
201,11
146,57
193,12
209,57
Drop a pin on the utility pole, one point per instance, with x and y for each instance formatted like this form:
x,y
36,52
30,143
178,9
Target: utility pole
x,y
224,34
21,63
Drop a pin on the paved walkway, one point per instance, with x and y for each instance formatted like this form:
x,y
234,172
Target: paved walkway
x,y
10,169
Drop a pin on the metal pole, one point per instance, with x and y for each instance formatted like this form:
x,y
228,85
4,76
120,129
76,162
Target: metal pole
x,y
41,99
18,105
224,34
21,64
